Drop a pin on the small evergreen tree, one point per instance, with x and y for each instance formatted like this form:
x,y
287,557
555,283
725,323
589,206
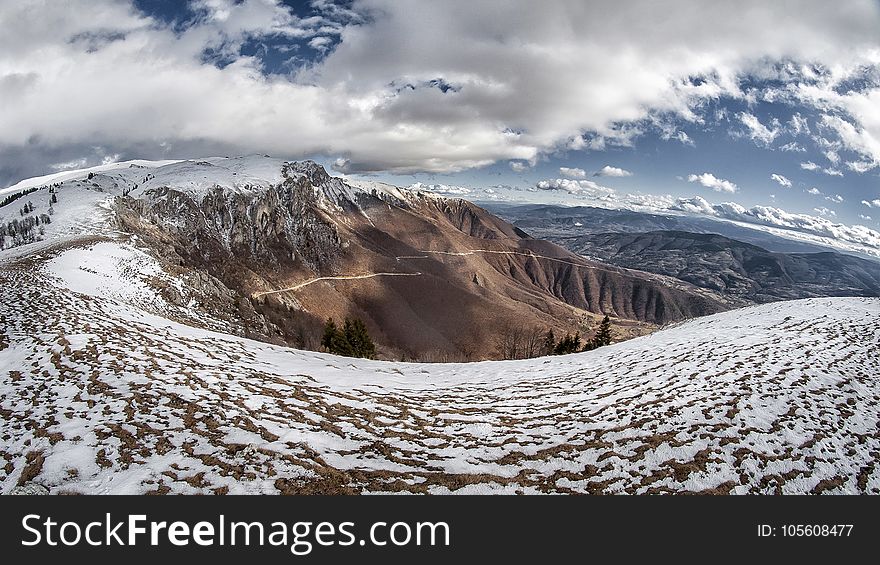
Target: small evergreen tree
x,y
568,344
359,339
603,335
352,340
329,333
340,346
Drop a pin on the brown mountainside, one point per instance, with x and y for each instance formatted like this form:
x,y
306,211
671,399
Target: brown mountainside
x,y
433,278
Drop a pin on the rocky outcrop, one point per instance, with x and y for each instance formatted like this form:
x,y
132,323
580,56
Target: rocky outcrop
x,y
281,227
260,238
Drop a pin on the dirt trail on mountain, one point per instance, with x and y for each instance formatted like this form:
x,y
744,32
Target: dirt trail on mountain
x,y
101,397
408,257
339,278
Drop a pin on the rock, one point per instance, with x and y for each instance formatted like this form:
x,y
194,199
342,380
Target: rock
x,y
29,489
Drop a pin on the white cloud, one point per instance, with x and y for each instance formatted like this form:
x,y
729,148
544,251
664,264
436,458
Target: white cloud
x,y
447,189
530,79
793,147
851,117
110,159
837,199
861,166
864,141
865,217
798,125
321,43
341,165
572,173
677,135
759,133
784,182
809,166
649,202
872,203
814,191
582,188
711,181
518,166
850,237
609,171
70,165
695,205
818,229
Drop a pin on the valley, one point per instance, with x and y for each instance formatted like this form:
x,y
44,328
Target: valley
x,y
275,248
160,337
701,255
102,395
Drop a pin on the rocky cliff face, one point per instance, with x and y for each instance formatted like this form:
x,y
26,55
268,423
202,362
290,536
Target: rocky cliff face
x,y
426,273
282,226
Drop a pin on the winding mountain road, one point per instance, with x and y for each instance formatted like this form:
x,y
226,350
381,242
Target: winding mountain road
x,y
398,258
339,278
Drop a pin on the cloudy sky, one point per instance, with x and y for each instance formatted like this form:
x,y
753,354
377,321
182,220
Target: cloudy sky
x,y
760,109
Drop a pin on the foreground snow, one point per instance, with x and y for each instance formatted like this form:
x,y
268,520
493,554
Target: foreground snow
x,y
101,394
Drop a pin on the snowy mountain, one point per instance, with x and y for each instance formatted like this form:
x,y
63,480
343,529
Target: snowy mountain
x,y
101,394
273,248
127,363
82,191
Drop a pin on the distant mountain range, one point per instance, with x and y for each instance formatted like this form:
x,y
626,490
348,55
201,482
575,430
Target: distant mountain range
x,y
125,363
733,267
693,250
553,221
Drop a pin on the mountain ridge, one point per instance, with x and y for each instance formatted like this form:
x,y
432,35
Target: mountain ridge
x,y
726,265
257,226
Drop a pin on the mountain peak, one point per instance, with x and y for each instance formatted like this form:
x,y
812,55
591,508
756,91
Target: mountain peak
x,y
316,174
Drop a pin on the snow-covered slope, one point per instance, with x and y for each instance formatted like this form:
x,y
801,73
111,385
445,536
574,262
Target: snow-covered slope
x,y
79,202
99,393
62,176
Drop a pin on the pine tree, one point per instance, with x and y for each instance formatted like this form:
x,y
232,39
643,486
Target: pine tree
x,y
603,335
568,344
352,340
329,333
340,346
359,339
